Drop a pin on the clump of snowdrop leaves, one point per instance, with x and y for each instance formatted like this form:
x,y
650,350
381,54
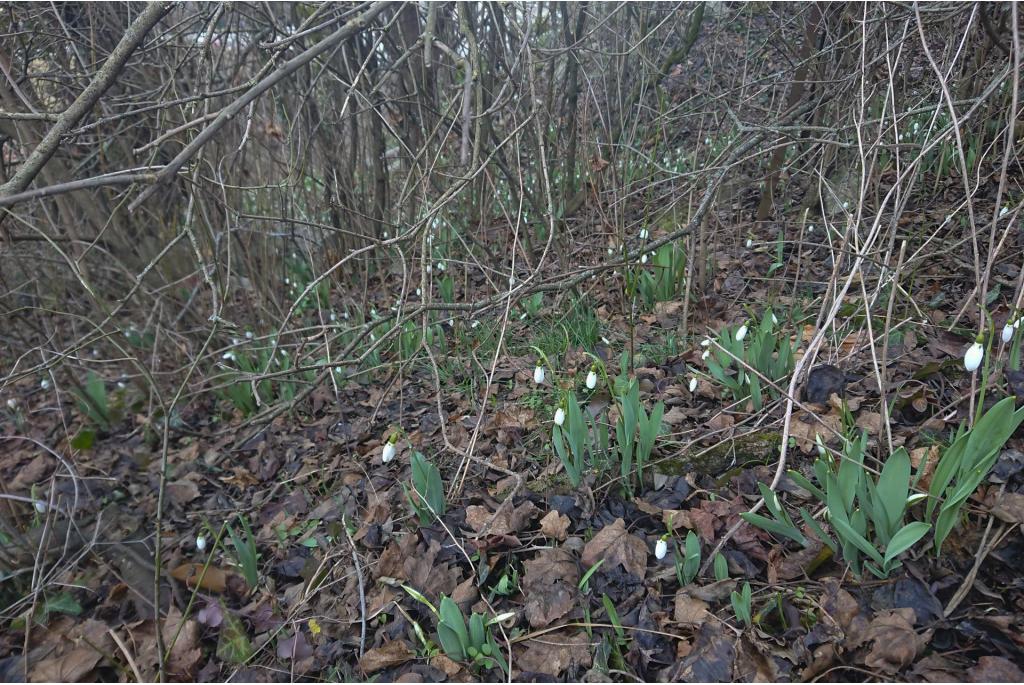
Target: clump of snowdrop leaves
x,y
661,547
388,453
975,353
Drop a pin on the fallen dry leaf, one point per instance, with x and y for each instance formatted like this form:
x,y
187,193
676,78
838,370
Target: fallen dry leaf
x,y
549,585
995,669
895,642
555,526
387,655
616,545
689,609
553,653
1009,507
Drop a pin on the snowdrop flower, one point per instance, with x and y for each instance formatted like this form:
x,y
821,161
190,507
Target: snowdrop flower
x,y
605,340
707,353
229,355
12,404
661,548
44,384
611,250
693,383
287,281
95,352
559,416
643,259
706,342
1008,332
121,385
440,266
389,449
248,334
707,141
750,243
201,542
741,333
591,379
644,233
385,235
1003,212
344,315
846,205
40,506
538,374
810,229
973,356
474,323
419,292
775,321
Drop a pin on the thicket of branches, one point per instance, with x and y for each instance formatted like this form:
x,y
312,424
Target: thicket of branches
x,y
165,166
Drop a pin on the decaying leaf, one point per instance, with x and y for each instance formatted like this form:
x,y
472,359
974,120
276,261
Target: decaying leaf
x,y
615,545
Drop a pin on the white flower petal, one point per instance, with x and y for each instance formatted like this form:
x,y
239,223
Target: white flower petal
x,y
201,543
661,549
538,375
1008,332
388,453
741,333
591,380
693,384
973,357
559,416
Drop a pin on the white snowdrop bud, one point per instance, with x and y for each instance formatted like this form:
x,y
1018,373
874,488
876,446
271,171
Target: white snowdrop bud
x,y
1008,332
559,416
775,321
693,384
40,506
287,281
12,404
643,259
741,333
661,549
706,342
389,451
201,542
750,243
707,141
707,353
810,229
591,380
538,374
846,205
644,233
419,292
611,250
474,324
1003,212
44,384
248,334
973,357
440,266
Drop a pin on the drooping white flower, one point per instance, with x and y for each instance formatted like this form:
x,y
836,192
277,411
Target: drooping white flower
x,y
643,258
707,353
707,141
661,548
248,334
201,542
846,205
12,404
810,229
775,321
45,384
559,416
741,333
40,506
440,266
750,243
693,383
538,374
1008,332
973,357
706,342
644,233
1003,212
591,380
389,450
